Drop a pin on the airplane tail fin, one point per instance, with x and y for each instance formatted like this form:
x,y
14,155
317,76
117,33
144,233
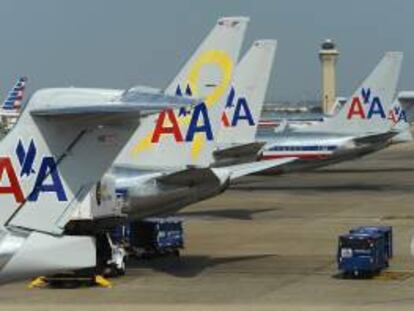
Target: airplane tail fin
x,y
14,98
406,100
62,144
214,57
401,124
245,101
174,139
367,110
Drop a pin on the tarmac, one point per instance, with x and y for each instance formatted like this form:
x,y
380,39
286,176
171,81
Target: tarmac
x,y
268,243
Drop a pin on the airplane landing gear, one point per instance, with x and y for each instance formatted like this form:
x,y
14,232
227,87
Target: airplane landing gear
x,y
111,257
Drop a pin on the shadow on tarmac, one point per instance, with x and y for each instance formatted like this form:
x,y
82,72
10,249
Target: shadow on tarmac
x,y
318,188
189,266
326,187
237,213
364,171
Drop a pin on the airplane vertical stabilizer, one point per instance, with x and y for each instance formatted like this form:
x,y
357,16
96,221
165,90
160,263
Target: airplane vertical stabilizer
x,y
174,139
245,101
63,143
14,98
368,110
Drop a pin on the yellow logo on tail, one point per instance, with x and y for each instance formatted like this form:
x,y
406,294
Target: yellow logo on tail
x,y
225,64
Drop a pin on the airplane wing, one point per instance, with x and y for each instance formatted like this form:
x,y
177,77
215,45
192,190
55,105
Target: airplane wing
x,y
196,176
375,138
188,177
238,151
240,170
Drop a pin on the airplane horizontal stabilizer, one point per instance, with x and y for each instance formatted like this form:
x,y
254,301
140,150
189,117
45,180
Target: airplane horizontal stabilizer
x,y
141,103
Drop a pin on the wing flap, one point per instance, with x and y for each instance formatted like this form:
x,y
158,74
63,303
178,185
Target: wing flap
x,y
375,138
241,170
249,149
189,177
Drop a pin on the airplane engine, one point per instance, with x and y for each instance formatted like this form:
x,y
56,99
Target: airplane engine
x,y
103,198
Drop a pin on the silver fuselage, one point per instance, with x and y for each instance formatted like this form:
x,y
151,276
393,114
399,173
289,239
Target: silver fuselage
x,y
315,150
146,195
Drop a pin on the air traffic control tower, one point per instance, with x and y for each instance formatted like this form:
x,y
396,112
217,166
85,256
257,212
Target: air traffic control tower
x,y
328,56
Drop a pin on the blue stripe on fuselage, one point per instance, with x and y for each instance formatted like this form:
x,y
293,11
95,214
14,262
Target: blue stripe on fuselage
x,y
303,148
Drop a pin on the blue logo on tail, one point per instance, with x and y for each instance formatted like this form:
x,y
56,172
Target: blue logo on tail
x,y
241,110
26,158
47,177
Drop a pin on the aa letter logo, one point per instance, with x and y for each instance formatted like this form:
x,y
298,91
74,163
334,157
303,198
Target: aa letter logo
x,y
169,124
397,115
366,106
46,176
241,111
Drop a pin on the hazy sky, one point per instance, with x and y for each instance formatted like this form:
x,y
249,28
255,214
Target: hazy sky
x,y
121,43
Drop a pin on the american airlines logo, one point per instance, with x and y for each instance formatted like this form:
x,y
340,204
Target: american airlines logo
x,y
168,123
366,106
26,158
241,111
47,177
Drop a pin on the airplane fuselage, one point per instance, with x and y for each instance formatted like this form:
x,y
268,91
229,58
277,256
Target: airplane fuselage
x,y
315,150
146,195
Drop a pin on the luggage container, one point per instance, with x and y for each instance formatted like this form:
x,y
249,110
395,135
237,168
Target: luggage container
x,y
361,253
157,236
150,237
388,237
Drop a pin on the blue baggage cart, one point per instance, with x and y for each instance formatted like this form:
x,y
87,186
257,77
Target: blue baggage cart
x,y
152,237
361,253
388,237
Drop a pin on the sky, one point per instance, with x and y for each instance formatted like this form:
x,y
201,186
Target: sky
x,y
118,44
